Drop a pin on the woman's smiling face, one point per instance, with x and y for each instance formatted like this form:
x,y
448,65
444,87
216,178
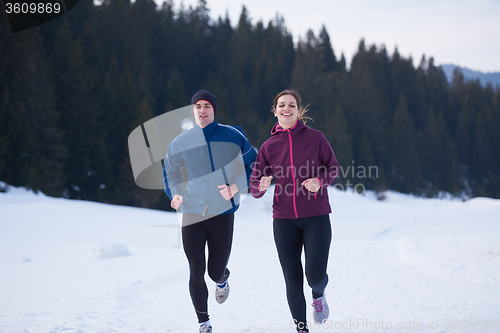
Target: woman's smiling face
x,y
286,111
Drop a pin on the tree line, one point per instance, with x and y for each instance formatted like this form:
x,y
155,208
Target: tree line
x,y
73,89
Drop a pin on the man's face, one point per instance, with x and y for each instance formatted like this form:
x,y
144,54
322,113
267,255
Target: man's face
x,y
203,113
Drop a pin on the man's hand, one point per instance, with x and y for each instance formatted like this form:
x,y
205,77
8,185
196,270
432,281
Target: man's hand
x,y
228,191
176,201
311,184
264,184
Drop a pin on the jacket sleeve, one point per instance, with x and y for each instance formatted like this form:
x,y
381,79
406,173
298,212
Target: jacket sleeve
x,y
261,169
249,155
172,173
330,166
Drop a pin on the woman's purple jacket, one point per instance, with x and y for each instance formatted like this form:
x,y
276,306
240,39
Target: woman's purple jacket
x,y
292,156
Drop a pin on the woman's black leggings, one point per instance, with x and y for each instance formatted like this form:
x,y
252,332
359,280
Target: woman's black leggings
x,y
217,232
290,235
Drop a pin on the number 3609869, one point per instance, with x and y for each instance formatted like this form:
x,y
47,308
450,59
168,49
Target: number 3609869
x,y
32,8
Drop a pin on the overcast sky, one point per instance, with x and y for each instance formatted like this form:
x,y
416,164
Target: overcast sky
x,y
462,32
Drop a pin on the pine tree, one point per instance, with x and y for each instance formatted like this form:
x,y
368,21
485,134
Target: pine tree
x,y
340,139
126,190
369,100
325,47
405,172
421,101
48,153
88,167
30,139
403,79
307,74
440,157
455,99
364,160
437,86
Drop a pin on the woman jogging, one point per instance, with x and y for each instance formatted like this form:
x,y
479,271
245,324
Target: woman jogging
x,y
302,163
205,170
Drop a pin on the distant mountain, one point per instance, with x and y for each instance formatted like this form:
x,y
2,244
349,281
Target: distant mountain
x,y
469,74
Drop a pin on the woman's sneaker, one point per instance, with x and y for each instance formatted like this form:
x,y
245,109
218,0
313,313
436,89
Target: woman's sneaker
x,y
321,310
206,327
221,292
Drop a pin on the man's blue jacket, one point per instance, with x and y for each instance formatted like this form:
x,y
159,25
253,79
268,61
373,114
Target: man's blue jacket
x,y
200,159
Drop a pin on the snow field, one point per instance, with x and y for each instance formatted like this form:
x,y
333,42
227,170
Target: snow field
x,y
73,266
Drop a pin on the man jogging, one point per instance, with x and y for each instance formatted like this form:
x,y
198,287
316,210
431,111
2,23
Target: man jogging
x,y
205,170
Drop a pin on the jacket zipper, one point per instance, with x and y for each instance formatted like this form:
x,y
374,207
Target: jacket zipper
x,y
316,193
293,174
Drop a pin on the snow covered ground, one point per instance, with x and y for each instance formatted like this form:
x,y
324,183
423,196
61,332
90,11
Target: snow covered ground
x,y
404,264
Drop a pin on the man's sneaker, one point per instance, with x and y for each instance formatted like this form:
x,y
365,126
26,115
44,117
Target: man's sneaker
x,y
221,292
206,327
321,310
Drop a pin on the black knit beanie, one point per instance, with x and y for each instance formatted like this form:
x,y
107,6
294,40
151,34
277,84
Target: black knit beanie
x,y
203,94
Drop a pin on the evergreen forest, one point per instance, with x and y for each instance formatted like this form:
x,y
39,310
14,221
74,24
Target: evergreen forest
x,y
73,89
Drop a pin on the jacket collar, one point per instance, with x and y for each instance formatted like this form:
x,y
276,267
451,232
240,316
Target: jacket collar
x,y
208,131
295,128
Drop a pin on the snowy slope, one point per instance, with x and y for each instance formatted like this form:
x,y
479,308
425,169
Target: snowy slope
x,y
72,266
